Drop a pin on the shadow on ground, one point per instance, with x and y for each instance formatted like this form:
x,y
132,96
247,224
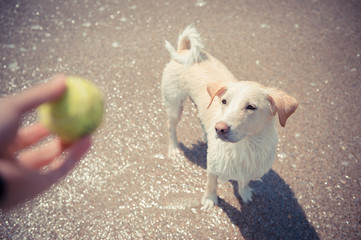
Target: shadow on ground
x,y
274,212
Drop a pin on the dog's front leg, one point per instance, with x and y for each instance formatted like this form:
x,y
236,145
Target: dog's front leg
x,y
210,197
245,191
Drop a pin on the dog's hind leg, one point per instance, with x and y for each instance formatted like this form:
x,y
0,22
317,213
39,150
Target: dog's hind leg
x,y
174,107
205,135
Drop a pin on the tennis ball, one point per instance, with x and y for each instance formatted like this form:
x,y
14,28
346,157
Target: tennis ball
x,y
77,113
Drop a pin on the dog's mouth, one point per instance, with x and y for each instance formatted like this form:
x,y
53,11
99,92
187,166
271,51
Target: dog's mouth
x,y
224,139
230,138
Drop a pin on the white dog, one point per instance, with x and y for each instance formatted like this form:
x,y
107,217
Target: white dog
x,y
237,116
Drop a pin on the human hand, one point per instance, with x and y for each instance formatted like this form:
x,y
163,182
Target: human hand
x,y
20,165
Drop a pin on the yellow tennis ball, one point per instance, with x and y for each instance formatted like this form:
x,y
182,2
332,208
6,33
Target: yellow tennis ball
x,y
77,113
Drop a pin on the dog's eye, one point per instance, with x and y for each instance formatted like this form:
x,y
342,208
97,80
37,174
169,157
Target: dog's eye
x,y
250,107
224,101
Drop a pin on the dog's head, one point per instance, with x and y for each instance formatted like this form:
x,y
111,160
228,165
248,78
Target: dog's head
x,y
247,107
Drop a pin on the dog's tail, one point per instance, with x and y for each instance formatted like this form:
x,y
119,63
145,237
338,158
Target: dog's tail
x,y
189,40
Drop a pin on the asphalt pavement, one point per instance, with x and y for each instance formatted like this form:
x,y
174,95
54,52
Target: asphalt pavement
x,y
126,187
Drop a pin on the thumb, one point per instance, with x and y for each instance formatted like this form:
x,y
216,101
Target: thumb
x,y
39,94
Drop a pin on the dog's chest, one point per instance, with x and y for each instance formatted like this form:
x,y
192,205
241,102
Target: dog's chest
x,y
243,161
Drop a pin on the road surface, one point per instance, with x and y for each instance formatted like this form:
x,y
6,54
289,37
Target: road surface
x,y
126,187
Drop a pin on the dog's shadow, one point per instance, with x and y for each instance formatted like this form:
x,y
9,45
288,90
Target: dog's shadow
x,y
274,212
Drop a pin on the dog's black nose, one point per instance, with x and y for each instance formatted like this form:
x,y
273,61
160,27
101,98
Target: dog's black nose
x,y
222,128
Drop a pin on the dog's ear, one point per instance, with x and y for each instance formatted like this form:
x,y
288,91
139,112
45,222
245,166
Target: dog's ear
x,y
283,104
215,89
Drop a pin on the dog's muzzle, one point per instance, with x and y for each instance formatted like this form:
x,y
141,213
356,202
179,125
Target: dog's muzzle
x,y
225,134
222,129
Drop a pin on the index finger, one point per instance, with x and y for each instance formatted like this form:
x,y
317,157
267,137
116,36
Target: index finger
x,y
42,93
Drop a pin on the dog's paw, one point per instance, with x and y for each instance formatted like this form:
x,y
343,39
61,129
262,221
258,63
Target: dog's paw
x,y
209,201
246,194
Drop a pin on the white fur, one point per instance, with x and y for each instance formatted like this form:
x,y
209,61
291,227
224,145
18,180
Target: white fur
x,y
248,150
194,54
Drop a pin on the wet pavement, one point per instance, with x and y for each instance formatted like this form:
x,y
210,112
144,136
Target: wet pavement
x,y
126,187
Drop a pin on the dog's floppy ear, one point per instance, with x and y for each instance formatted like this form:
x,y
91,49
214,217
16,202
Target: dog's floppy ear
x,y
283,104
215,89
